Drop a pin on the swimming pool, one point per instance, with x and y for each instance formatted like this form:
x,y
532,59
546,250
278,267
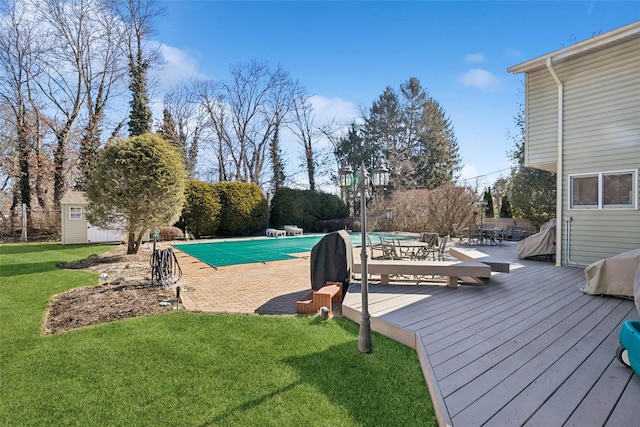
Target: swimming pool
x,y
261,249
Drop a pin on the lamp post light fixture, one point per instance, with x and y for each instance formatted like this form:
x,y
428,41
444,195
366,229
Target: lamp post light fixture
x,y
346,181
350,181
380,175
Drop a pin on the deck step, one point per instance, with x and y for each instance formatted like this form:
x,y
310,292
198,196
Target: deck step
x,y
305,307
323,297
474,255
452,269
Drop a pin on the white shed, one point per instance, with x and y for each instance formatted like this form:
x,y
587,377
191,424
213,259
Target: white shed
x,y
76,229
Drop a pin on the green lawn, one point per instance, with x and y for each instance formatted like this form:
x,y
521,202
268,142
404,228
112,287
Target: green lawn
x,y
190,369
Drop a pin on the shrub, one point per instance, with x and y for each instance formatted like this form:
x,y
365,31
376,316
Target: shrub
x,y
171,233
305,208
286,208
329,225
138,182
244,209
436,210
201,213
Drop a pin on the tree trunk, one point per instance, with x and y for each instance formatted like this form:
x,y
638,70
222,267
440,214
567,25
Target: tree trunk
x,y
131,244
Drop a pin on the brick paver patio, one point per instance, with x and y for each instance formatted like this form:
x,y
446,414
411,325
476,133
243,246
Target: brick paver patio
x,y
264,288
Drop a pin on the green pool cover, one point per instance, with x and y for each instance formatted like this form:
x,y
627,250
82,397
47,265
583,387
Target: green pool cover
x,y
246,251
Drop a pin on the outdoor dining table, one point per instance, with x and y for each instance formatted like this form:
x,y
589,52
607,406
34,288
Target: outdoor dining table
x,y
413,248
491,234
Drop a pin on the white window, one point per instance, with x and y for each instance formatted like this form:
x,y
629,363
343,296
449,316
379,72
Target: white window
x,y
75,212
604,190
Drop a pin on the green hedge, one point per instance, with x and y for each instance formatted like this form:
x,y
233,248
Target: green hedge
x,y
244,209
305,208
223,209
201,212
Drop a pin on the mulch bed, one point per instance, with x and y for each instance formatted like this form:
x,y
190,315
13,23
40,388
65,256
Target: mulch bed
x,y
128,294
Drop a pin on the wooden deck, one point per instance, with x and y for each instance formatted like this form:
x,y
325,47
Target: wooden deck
x,y
527,348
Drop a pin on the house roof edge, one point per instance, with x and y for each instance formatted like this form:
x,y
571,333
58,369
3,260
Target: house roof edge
x,y
626,31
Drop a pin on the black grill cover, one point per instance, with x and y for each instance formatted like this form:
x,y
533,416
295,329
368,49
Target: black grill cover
x,y
332,260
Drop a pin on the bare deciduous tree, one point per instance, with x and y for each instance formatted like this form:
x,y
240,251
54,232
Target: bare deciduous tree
x,y
21,44
244,114
302,126
184,121
105,67
69,27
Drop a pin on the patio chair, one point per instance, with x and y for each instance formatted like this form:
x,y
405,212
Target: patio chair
x,y
475,234
430,238
436,253
458,232
439,254
498,237
389,249
517,233
373,248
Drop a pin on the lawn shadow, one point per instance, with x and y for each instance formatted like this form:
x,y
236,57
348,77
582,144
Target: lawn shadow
x,y
12,270
250,404
27,248
341,371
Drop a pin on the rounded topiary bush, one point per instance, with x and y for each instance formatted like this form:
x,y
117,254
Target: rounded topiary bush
x,y
201,212
244,209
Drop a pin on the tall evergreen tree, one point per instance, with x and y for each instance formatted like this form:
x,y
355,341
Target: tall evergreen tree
x,y
415,136
169,131
354,149
140,113
383,132
437,161
138,18
505,208
277,162
488,210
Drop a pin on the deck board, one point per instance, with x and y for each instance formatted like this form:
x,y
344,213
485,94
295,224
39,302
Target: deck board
x,y
527,348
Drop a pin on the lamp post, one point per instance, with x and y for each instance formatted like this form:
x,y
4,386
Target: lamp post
x,y
483,206
361,181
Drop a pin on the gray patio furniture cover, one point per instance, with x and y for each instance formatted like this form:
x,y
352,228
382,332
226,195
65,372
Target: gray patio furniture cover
x,y
613,276
332,260
542,243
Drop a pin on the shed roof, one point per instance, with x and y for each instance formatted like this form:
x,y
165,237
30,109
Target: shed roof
x,y
617,35
74,197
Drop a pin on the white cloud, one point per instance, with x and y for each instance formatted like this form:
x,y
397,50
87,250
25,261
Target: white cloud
x,y
482,79
513,53
179,65
468,172
475,58
328,110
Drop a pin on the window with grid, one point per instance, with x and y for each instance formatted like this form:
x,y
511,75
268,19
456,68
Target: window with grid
x,y
75,213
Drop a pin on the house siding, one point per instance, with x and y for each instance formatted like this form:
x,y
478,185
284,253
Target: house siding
x,y
541,117
601,134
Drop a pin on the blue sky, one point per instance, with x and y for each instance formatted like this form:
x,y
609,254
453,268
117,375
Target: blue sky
x,y
346,53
